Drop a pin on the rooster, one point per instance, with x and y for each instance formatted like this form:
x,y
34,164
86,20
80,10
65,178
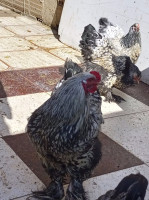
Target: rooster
x,y
101,46
64,131
132,187
127,74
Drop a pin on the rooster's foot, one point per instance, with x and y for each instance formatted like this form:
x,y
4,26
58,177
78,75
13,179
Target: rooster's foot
x,y
75,191
117,98
54,191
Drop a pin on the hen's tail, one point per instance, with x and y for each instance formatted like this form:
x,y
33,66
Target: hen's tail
x,y
132,187
103,24
89,41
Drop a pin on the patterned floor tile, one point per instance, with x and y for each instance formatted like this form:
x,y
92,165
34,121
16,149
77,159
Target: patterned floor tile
x,y
30,59
131,132
16,178
5,33
64,53
43,78
113,154
14,112
46,41
15,44
27,30
21,82
98,186
13,84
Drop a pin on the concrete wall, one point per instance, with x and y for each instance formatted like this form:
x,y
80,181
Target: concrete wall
x,y
124,13
52,10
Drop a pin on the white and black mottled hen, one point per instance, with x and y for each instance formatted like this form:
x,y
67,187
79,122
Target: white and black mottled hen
x,y
132,187
126,75
64,131
100,46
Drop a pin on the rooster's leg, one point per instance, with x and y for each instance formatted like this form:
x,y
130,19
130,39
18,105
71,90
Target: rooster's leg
x,y
80,169
55,190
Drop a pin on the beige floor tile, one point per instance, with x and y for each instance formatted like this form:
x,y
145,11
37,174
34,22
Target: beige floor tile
x,y
5,33
10,20
131,132
27,30
68,53
28,20
5,12
14,112
46,41
16,178
129,106
3,8
15,44
3,66
30,59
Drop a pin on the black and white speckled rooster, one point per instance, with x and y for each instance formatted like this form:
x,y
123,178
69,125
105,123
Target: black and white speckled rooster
x,y
132,187
100,46
64,131
127,74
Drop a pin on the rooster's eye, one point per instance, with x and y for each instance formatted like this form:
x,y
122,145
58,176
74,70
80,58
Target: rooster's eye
x,y
84,81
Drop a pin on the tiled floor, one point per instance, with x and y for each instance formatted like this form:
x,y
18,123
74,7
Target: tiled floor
x,y
31,63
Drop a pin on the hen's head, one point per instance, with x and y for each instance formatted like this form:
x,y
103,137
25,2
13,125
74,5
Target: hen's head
x,y
135,28
132,37
131,73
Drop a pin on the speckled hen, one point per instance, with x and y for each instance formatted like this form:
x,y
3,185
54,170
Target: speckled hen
x,y
100,46
64,131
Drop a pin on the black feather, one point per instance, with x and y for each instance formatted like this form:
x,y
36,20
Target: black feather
x,y
132,187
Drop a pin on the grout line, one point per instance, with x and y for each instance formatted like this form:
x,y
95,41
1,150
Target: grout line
x,y
128,113
29,49
9,30
5,64
56,56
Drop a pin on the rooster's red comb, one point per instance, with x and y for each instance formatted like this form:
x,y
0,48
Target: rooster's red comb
x,y
97,75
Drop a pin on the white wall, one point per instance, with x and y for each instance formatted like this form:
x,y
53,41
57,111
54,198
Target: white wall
x,y
79,13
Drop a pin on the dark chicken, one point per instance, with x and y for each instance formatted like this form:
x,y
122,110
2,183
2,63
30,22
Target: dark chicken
x,y
127,74
64,131
132,187
100,46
